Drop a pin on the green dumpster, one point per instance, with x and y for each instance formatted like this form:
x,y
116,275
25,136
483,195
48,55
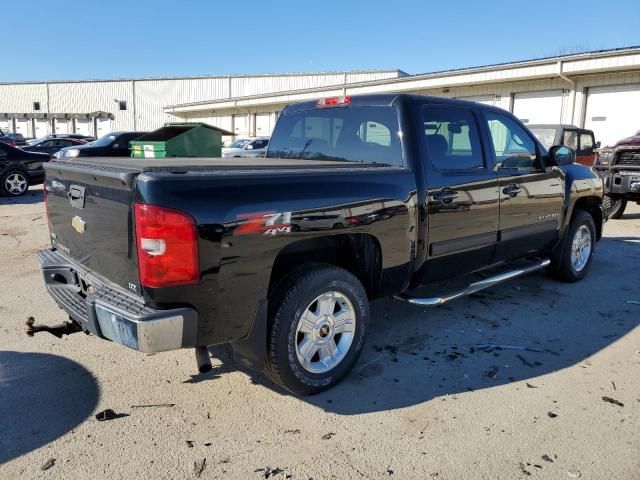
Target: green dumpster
x,y
180,140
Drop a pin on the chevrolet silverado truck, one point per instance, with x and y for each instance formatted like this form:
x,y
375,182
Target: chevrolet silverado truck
x,y
620,167
386,193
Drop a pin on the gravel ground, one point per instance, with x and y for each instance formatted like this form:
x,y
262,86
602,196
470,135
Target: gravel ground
x,y
423,402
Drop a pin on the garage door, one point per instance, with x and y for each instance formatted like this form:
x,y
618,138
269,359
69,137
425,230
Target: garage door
x,y
41,127
22,127
539,107
82,126
62,125
264,124
103,126
241,125
4,125
612,112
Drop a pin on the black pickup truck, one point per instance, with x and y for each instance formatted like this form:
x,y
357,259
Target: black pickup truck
x,y
358,198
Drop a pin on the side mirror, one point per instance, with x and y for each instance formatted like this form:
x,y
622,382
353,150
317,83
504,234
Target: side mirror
x,y
561,155
597,145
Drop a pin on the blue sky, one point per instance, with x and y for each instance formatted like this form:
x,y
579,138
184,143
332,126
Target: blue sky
x,y
46,40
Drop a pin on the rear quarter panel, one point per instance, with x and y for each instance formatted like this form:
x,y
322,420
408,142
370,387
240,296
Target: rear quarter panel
x,y
237,246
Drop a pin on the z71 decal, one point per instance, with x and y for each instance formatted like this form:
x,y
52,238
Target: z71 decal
x,y
267,223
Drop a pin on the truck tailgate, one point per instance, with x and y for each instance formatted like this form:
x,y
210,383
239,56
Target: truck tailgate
x,y
90,215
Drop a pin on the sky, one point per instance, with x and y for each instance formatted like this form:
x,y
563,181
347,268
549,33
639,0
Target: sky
x,y
78,40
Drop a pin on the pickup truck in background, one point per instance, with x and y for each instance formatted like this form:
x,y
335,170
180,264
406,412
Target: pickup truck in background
x,y
581,140
358,198
620,167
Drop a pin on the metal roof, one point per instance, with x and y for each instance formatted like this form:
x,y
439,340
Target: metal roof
x,y
204,77
423,76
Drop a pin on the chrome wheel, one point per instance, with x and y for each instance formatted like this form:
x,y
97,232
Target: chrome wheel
x,y
581,248
325,332
16,184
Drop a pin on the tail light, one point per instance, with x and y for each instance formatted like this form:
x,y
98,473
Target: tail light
x,y
334,101
167,243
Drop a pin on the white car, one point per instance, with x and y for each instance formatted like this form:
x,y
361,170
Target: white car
x,y
254,148
239,143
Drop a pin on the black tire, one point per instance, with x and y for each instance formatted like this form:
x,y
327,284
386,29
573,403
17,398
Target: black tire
x,y
4,187
617,209
287,305
562,265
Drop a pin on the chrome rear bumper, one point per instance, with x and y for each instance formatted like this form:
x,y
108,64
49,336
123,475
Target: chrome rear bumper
x,y
110,312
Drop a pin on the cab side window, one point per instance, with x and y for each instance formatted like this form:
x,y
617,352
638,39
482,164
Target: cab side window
x,y
570,139
512,146
586,143
451,138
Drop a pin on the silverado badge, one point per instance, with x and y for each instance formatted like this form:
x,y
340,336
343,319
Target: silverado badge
x,y
78,224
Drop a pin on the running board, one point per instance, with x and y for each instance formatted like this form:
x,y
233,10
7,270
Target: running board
x,y
474,287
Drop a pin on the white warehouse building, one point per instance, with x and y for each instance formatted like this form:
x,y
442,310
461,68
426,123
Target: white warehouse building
x,y
597,90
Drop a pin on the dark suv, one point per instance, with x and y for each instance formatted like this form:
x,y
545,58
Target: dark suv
x,y
114,144
620,166
581,140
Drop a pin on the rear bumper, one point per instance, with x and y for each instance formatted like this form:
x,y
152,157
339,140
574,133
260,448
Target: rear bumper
x,y
110,312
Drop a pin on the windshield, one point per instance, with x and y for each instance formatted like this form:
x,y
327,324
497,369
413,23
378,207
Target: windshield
x,y
348,134
547,136
239,143
104,141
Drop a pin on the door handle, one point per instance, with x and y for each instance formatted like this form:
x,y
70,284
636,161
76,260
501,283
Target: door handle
x,y
511,190
446,196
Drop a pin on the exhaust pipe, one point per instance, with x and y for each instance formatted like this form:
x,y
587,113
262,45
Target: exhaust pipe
x,y
203,360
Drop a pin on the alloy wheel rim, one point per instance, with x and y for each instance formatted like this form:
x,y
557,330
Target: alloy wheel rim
x,y
325,332
581,248
15,184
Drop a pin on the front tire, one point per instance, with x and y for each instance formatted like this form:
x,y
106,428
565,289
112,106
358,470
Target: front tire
x,y
578,246
616,208
14,183
319,318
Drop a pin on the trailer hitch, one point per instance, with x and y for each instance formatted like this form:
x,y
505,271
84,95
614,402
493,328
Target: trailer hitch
x,y
66,328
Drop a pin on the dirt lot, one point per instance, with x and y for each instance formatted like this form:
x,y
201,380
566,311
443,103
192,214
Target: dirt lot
x,y
424,401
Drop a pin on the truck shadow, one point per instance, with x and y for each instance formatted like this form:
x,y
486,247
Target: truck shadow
x,y
34,195
515,332
42,397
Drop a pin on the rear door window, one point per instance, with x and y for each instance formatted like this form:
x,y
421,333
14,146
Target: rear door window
x,y
350,134
570,139
451,138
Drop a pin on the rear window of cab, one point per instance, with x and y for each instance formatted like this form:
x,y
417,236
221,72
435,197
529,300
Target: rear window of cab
x,y
350,134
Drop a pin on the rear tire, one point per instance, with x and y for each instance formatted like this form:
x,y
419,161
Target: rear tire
x,y
319,316
577,249
14,183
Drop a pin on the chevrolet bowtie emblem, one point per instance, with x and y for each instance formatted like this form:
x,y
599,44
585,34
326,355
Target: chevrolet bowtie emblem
x,y
78,224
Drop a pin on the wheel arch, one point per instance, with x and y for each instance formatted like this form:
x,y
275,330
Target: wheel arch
x,y
358,253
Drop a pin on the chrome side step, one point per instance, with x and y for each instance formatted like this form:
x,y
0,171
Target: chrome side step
x,y
474,287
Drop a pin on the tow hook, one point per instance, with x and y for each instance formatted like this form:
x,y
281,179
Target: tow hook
x,y
66,328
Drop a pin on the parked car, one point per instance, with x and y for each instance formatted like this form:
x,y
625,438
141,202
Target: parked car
x,y
161,254
76,136
620,167
239,143
583,141
20,169
13,139
114,144
52,145
254,148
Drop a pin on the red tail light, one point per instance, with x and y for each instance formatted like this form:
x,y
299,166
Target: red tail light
x,y
334,101
167,243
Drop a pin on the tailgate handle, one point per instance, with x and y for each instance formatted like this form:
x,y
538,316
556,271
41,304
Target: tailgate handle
x,y
76,196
